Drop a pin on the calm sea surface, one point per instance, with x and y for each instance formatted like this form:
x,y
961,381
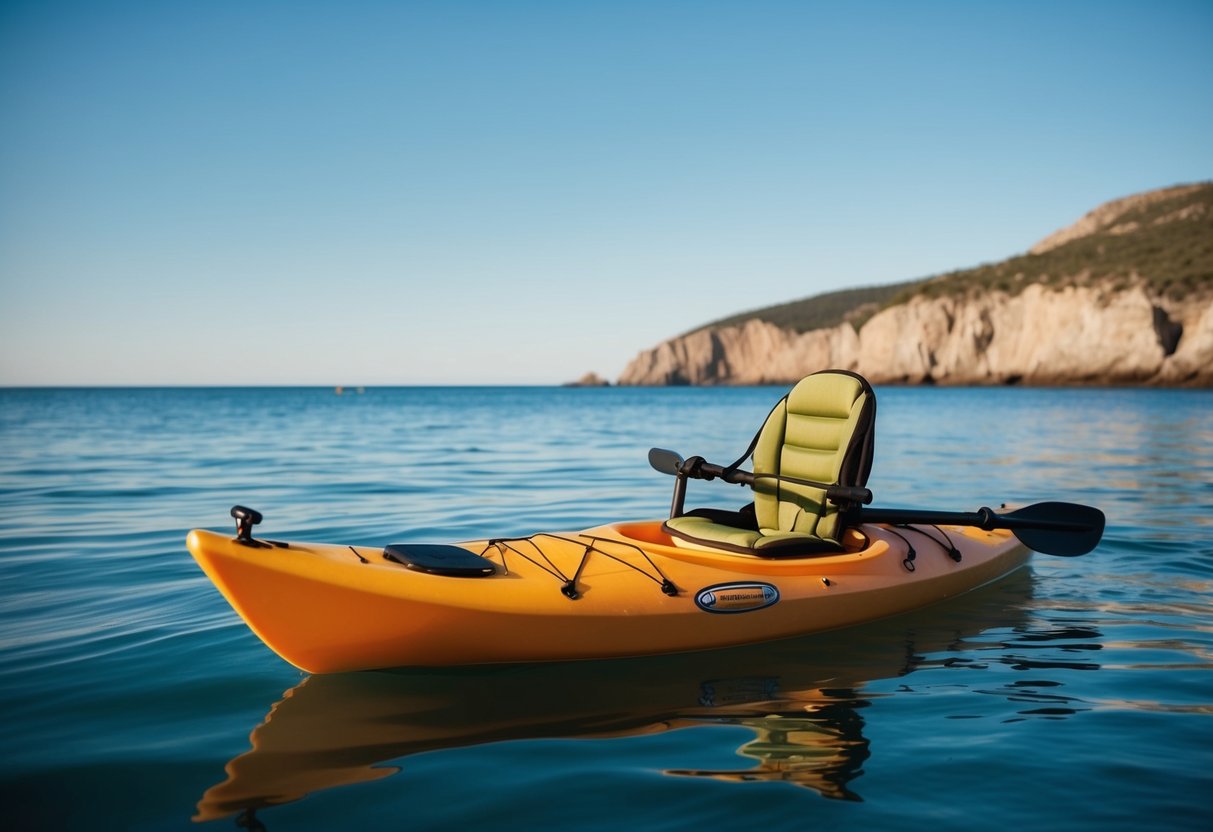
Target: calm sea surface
x,y
1077,695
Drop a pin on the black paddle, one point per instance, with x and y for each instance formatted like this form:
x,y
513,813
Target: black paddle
x,y
1064,529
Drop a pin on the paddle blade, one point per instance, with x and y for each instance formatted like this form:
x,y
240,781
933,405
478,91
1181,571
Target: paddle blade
x,y
1063,529
666,462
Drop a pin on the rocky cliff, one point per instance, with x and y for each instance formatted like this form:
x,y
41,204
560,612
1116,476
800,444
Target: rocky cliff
x,y
1124,296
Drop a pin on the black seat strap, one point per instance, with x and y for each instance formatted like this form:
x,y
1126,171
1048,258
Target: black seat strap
x,y
728,469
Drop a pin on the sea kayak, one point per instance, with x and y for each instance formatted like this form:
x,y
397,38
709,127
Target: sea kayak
x,y
618,590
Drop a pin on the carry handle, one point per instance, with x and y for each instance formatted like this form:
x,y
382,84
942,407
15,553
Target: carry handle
x,y
246,518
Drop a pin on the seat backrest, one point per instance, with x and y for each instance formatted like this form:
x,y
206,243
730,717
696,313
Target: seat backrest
x,y
824,431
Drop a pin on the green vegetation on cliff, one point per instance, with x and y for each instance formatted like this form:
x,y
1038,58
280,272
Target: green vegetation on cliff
x,y
1167,244
822,311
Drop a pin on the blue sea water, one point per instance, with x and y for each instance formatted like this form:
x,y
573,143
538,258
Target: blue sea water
x,y
1077,695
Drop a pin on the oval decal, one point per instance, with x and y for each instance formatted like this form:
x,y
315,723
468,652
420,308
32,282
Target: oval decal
x,y
738,597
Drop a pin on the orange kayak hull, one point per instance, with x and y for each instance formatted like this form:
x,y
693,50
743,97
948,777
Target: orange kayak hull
x,y
593,594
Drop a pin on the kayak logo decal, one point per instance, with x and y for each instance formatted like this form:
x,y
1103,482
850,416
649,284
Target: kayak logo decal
x,y
736,597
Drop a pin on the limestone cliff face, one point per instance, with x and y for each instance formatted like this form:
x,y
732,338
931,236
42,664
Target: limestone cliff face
x,y
755,352
1075,335
1132,327
1041,336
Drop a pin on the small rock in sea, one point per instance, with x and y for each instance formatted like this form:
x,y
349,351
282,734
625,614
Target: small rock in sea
x,y
590,379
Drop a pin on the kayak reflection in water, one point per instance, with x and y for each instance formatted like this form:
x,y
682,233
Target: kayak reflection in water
x,y
821,747
804,700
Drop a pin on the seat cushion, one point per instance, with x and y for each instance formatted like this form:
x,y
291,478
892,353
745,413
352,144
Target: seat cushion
x,y
702,531
820,432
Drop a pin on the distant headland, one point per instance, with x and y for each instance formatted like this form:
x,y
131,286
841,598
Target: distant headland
x,y
1124,296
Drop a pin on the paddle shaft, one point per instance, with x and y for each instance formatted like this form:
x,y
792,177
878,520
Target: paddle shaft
x,y
710,470
983,518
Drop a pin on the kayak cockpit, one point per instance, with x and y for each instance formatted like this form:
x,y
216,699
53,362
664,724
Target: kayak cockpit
x,y
652,536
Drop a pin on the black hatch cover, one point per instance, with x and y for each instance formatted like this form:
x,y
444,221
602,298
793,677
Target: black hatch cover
x,y
440,559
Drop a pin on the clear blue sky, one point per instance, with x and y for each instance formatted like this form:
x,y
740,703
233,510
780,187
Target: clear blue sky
x,y
518,192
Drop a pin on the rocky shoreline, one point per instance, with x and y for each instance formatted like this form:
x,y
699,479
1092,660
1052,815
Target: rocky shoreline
x,y
1077,335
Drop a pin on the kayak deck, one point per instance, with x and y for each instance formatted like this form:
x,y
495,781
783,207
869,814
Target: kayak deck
x,y
622,589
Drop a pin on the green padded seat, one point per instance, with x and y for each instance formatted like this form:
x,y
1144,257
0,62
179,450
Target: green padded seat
x,y
822,433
